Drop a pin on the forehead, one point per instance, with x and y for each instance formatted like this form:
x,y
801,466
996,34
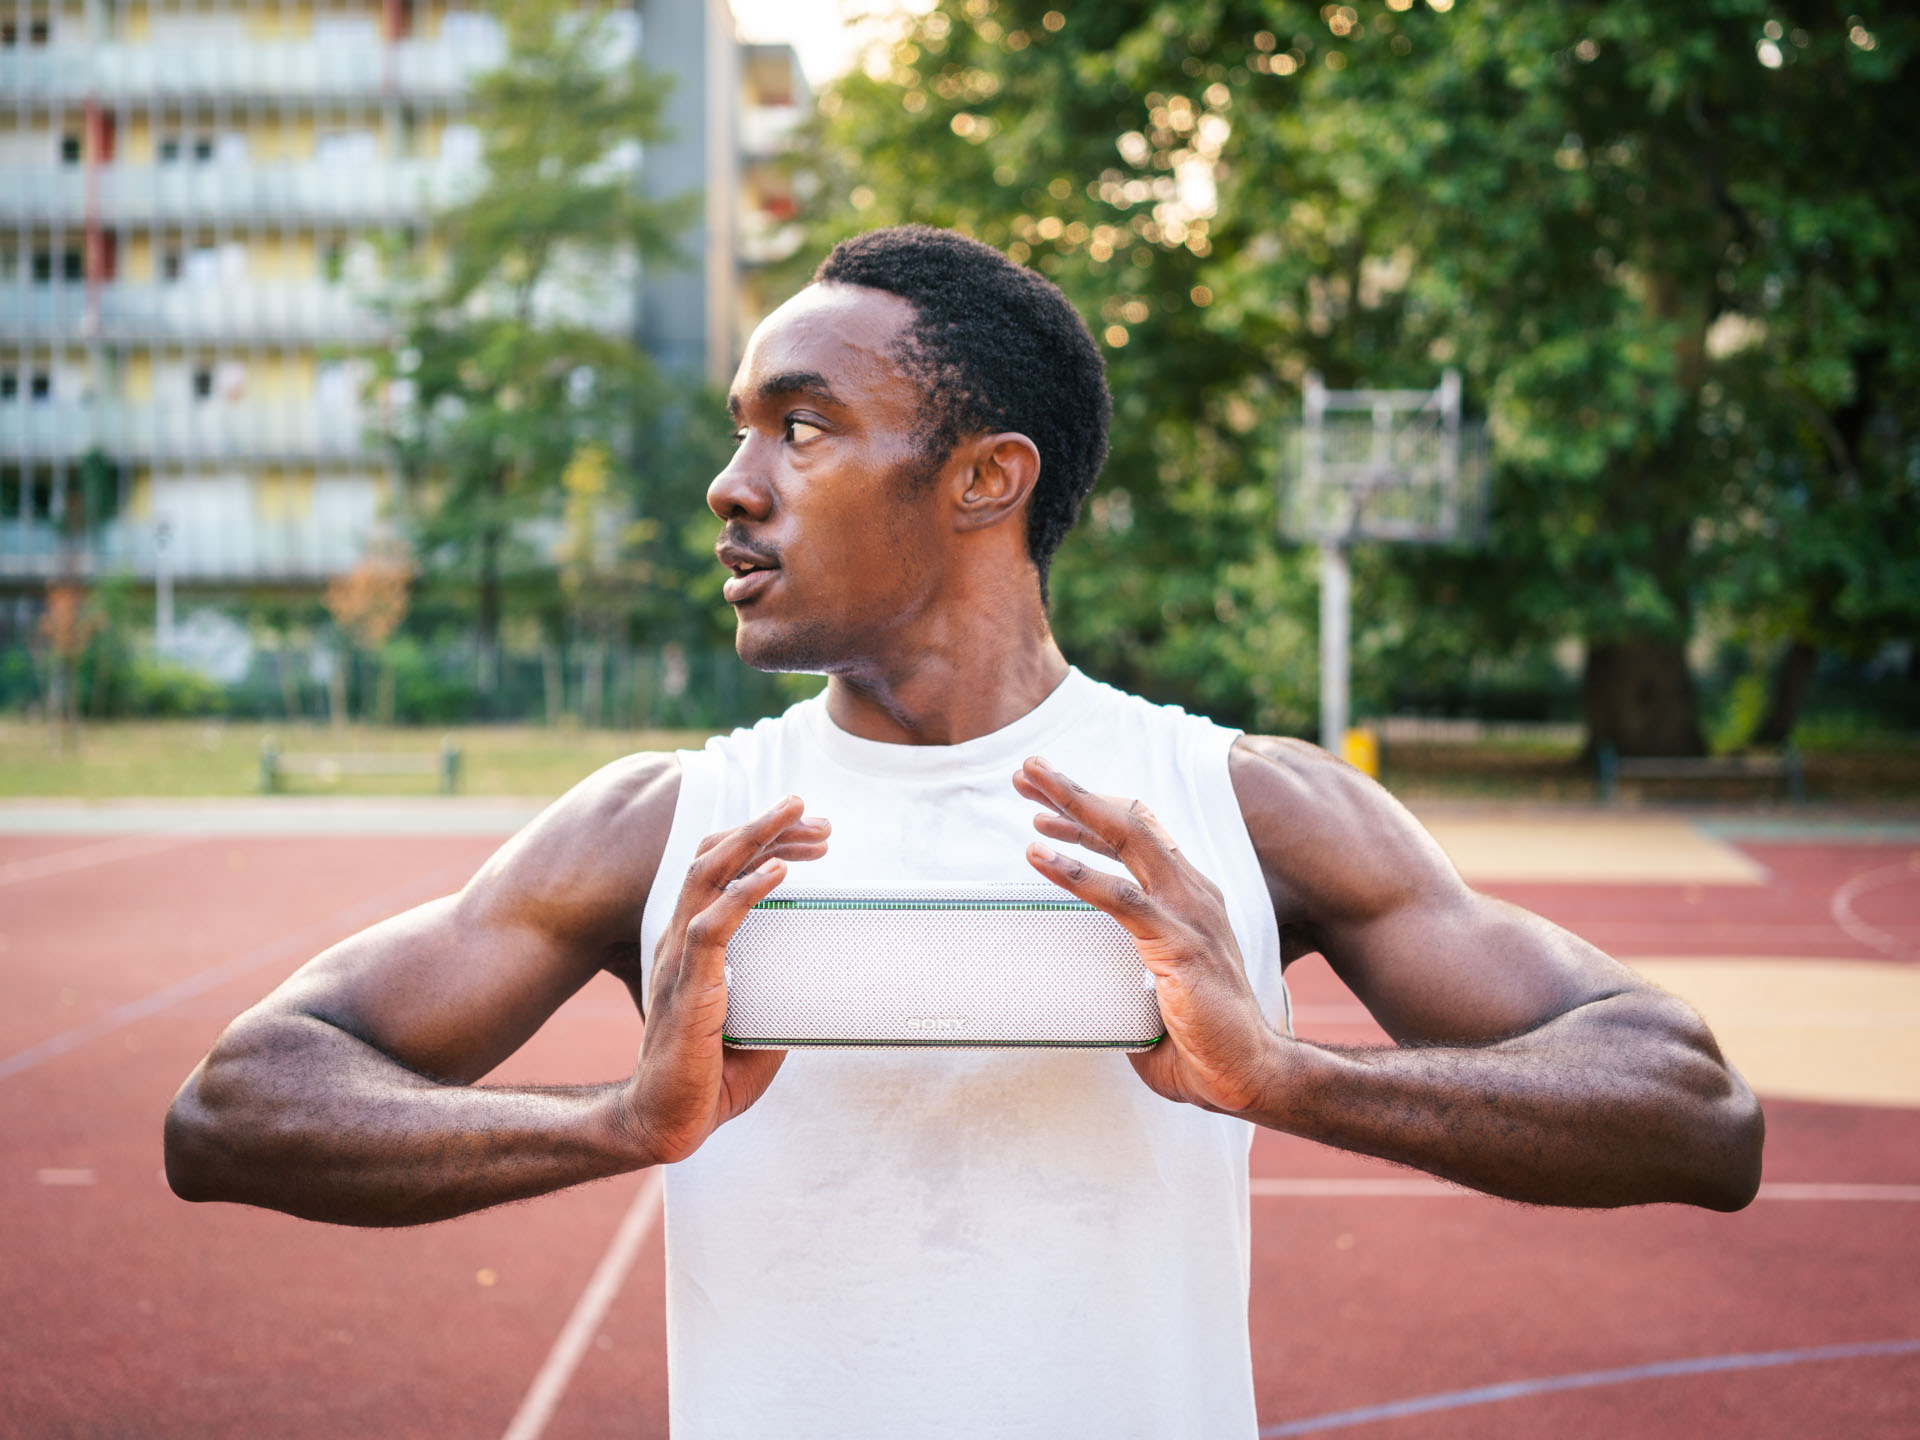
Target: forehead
x,y
847,335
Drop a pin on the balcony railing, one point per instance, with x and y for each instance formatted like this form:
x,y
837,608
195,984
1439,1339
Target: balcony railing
x,y
309,548
767,130
54,432
766,239
333,68
246,312
318,192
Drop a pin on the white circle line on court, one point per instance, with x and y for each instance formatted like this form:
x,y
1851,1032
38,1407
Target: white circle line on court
x,y
1365,1188
1848,920
550,1383
1627,1375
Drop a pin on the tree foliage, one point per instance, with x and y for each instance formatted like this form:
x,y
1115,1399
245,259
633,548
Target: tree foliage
x,y
1662,241
514,367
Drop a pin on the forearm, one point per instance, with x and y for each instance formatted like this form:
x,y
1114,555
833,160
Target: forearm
x,y
1620,1102
297,1115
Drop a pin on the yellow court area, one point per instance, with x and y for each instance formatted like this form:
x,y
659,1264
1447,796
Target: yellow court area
x,y
1581,847
1844,1031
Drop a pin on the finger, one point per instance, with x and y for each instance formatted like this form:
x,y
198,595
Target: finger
x,y
720,858
806,825
1129,830
797,850
709,930
745,1075
1071,832
731,852
1119,896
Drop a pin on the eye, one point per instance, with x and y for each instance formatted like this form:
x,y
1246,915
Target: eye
x,y
739,435
800,431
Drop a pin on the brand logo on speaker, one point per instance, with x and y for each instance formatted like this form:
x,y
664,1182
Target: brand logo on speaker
x,y
935,1024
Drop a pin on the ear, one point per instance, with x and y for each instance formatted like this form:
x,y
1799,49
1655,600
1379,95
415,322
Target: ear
x,y
999,476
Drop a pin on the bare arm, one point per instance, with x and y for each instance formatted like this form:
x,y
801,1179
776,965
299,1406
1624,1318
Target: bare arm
x,y
1528,1064
348,1094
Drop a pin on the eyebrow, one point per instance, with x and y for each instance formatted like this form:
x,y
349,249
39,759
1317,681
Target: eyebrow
x,y
792,382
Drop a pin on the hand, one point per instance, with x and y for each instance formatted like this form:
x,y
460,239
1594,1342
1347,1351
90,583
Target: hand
x,y
687,1083
1219,1049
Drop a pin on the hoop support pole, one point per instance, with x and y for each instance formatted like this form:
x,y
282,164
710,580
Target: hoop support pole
x,y
1336,590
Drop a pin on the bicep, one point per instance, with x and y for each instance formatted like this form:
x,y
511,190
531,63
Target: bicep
x,y
453,987
1356,877
436,991
1464,968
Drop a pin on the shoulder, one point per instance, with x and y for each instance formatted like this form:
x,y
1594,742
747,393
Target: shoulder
x,y
584,865
1333,844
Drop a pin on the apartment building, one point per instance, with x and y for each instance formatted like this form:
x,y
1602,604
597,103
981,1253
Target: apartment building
x,y
190,198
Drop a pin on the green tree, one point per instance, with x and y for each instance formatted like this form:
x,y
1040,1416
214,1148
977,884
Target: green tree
x,y
513,356
1659,239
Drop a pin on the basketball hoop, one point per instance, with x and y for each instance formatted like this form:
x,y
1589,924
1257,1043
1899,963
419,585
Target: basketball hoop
x,y
1390,465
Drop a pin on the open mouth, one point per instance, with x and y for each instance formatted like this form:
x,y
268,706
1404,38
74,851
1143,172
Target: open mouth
x,y
752,573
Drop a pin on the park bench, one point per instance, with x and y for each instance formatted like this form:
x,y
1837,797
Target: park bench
x,y
1614,767
328,766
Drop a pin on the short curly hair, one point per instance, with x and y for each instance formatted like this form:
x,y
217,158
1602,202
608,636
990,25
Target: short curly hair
x,y
997,347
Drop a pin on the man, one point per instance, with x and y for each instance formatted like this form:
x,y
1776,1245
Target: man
x,y
955,1243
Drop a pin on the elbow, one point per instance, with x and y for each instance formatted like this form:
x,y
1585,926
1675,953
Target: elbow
x,y
1714,1131
190,1146
1740,1134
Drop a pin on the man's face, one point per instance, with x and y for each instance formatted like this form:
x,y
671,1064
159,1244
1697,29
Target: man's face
x,y
832,538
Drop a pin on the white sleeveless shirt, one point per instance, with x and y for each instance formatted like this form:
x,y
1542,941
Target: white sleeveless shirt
x,y
967,1244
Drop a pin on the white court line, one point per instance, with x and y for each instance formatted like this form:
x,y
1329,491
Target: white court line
x,y
85,857
543,1396
1871,936
295,943
1357,1188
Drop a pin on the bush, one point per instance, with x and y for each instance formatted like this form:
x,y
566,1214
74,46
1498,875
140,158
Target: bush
x,y
160,689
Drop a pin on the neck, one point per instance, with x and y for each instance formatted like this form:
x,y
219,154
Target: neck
x,y
962,672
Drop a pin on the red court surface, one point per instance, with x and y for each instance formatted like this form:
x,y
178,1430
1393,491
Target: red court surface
x,y
124,1312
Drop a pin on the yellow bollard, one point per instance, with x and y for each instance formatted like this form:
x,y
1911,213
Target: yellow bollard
x,y
1361,749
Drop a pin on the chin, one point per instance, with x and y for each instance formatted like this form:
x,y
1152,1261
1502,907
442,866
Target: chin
x,y
805,647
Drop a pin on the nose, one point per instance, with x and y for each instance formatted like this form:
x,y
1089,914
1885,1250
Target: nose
x,y
741,492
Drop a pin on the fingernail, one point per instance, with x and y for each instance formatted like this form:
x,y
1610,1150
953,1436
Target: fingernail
x,y
1041,852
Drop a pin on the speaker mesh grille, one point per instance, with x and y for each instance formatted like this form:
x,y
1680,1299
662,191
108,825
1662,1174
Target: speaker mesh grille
x,y
985,967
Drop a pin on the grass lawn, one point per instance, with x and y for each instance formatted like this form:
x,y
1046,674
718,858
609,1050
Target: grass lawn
x,y
217,757
1886,773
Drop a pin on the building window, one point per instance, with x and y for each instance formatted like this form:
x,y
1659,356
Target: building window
x,y
43,267
203,382
9,384
170,263
73,265
202,149
36,32
41,385
169,149
70,149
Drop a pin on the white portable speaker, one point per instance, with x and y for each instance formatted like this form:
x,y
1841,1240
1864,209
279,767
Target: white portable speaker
x,y
979,967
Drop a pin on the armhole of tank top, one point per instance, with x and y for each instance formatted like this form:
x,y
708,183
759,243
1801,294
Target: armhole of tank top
x,y
692,818
1213,749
